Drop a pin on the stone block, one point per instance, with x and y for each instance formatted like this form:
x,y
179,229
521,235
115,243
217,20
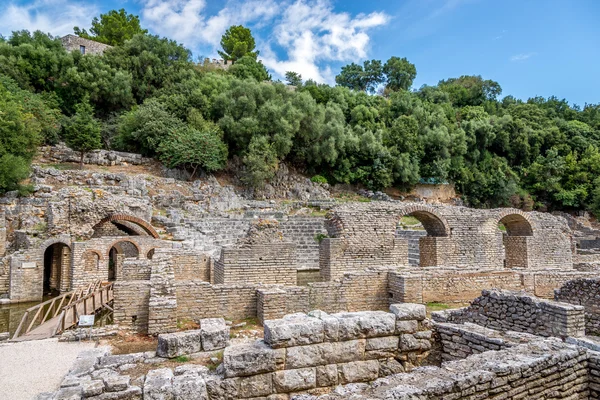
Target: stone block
x,y
159,384
92,388
297,330
171,345
408,311
214,333
406,326
251,359
327,375
358,371
189,387
330,325
252,386
116,383
382,343
365,324
324,353
409,343
294,380
390,366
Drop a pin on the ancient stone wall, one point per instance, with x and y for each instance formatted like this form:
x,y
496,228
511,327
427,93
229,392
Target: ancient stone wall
x,y
74,43
585,292
191,264
319,350
273,263
519,312
365,234
131,305
544,370
2,234
134,270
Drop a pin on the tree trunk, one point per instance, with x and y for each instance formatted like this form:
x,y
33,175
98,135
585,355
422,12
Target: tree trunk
x,y
81,160
193,173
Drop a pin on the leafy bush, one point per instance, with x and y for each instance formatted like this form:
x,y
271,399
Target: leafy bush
x,y
319,179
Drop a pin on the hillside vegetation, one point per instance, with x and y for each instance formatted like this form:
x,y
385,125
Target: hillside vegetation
x,y
147,95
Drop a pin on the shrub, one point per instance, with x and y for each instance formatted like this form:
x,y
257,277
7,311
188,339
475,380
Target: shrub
x,y
319,179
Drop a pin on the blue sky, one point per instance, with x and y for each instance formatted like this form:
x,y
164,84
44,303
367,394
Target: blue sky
x,y
531,47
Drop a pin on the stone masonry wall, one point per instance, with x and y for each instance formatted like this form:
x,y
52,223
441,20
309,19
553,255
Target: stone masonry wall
x,y
585,292
131,304
544,370
273,263
319,350
72,43
519,312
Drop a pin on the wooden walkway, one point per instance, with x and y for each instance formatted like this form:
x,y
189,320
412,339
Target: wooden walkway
x,y
52,319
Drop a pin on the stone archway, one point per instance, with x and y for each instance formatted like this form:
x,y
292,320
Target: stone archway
x,y
515,238
426,247
129,223
119,250
56,257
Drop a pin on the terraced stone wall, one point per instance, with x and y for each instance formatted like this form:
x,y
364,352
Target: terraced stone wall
x,y
584,292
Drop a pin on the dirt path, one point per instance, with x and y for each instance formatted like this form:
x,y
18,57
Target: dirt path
x,y
30,368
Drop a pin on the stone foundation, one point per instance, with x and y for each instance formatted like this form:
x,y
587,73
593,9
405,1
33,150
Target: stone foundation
x,y
585,292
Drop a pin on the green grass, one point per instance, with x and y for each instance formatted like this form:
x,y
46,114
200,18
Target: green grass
x,y
409,220
213,365
501,227
437,306
182,359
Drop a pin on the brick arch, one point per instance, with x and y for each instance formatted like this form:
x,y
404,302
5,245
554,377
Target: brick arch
x,y
120,240
516,222
100,256
86,267
47,243
130,218
433,222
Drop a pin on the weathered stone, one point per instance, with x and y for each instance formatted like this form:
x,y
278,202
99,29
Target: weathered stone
x,y
324,353
68,393
297,331
409,343
159,385
389,367
382,343
358,371
327,375
409,311
406,326
251,359
294,380
189,387
365,324
190,369
215,333
92,388
116,383
251,386
171,345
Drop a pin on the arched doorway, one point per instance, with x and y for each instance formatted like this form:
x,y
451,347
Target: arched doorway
x,y
119,251
516,231
425,232
56,260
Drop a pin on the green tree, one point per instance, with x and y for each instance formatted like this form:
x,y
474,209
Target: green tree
x,y
194,148
351,76
400,73
82,132
248,67
293,78
237,42
260,162
113,28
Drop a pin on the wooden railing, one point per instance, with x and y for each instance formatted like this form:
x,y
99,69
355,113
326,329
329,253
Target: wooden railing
x,y
66,302
88,304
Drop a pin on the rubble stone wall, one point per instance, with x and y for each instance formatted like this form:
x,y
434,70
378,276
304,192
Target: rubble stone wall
x,y
131,305
516,311
585,292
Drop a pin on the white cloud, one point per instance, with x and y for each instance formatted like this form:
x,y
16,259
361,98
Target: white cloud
x,y
57,17
522,56
312,32
183,20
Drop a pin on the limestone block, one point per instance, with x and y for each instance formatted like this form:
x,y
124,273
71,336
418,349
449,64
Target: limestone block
x,y
358,371
389,367
330,325
364,324
409,343
116,383
296,331
327,375
190,369
92,388
408,311
293,380
382,343
215,333
406,326
171,345
250,386
68,393
251,359
159,384
324,353
189,387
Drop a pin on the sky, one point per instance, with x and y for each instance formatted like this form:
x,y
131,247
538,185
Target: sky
x,y
531,47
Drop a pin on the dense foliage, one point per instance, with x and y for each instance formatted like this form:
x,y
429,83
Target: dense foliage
x,y
150,97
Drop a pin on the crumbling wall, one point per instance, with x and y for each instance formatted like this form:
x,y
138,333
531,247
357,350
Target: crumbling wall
x,y
131,304
585,292
517,311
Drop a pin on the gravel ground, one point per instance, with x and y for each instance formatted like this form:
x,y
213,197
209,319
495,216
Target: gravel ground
x,y
30,368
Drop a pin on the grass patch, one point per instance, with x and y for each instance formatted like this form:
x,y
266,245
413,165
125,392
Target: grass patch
x,y
182,359
437,306
501,227
64,166
409,220
212,365
186,324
